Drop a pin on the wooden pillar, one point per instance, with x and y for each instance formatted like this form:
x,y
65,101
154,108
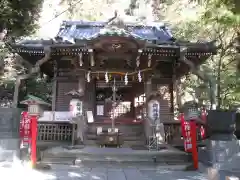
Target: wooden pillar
x,y
148,88
171,89
54,87
147,122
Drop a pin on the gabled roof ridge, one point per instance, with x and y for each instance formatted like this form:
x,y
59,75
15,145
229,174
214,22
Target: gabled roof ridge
x,y
103,23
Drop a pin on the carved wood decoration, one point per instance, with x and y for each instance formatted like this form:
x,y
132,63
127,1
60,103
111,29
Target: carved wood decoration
x,y
115,44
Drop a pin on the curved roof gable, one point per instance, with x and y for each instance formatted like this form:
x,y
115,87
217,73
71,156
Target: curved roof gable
x,y
83,30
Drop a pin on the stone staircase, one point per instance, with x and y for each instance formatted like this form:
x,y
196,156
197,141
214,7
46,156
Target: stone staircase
x,y
89,154
133,134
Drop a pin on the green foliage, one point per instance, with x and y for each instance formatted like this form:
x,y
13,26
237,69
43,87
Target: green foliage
x,y
218,22
19,17
39,87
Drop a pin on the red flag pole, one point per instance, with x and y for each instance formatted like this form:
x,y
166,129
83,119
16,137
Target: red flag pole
x,y
34,141
193,130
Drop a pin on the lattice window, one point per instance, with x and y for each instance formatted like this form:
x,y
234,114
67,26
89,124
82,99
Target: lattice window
x,y
54,132
121,109
140,100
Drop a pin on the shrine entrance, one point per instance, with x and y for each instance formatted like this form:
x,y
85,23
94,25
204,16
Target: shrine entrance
x,y
120,104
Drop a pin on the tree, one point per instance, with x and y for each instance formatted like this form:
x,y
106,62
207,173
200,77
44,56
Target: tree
x,y
227,13
207,20
19,17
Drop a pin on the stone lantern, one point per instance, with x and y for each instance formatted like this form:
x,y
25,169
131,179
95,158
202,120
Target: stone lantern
x,y
221,153
76,109
36,106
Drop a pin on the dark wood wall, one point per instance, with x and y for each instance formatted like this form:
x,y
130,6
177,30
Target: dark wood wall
x,y
62,100
65,85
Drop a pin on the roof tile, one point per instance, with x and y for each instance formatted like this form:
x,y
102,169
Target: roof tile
x,y
87,30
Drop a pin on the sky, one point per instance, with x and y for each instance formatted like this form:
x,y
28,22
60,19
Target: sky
x,y
51,8
104,9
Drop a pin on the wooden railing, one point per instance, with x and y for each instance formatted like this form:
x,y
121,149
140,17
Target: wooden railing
x,y
173,134
63,132
57,132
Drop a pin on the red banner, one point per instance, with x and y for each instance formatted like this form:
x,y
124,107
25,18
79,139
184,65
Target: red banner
x,y
25,127
204,118
185,126
187,138
189,133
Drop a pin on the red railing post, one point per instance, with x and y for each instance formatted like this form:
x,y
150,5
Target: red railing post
x,y
193,135
189,133
34,141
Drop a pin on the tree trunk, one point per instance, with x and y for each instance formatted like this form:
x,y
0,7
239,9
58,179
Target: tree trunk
x,y
219,99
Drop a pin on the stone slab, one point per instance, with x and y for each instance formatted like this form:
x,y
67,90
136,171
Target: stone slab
x,y
99,172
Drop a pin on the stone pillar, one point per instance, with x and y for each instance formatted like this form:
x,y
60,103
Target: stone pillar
x,y
81,121
153,128
9,134
222,147
148,90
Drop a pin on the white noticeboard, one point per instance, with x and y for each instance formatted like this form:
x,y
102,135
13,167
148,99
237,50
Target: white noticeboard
x,y
76,107
90,118
100,110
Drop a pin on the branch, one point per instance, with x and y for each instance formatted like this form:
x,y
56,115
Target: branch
x,y
192,66
39,63
199,73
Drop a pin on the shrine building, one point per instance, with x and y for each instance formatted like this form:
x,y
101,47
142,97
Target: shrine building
x,y
123,74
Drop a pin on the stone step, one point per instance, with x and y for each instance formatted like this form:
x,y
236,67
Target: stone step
x,y
125,144
125,138
114,155
139,133
134,129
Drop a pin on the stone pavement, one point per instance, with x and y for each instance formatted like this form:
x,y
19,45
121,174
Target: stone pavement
x,y
101,172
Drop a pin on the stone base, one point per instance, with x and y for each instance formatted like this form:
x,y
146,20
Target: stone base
x,y
222,157
218,152
215,174
9,149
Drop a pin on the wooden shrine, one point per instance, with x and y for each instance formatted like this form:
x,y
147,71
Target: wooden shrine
x,y
89,59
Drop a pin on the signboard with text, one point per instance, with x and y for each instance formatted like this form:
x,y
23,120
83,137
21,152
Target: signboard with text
x,y
25,127
185,126
187,138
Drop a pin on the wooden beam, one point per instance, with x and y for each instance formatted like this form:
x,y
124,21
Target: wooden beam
x,y
34,70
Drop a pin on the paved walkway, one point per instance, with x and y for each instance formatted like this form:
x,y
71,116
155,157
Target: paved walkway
x,y
101,172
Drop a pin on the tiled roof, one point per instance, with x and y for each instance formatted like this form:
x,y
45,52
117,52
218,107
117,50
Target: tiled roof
x,y
80,30
38,100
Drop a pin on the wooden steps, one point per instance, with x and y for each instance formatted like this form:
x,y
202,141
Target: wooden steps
x,y
133,134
